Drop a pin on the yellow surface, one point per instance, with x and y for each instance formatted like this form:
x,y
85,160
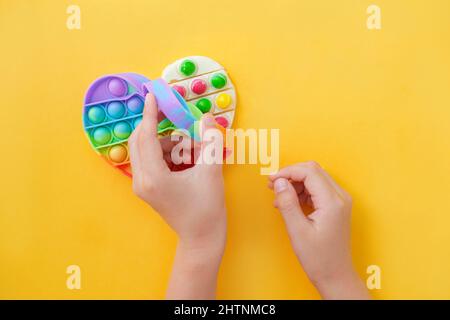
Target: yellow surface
x,y
372,107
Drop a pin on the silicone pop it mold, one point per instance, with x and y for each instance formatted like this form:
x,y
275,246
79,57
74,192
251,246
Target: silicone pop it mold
x,y
114,104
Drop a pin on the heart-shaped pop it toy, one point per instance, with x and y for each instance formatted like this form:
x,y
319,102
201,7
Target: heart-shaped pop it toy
x,y
114,104
205,83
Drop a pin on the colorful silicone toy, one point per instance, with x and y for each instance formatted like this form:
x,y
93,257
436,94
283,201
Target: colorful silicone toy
x,y
114,104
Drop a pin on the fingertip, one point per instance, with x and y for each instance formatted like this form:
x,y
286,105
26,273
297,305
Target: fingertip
x,y
280,185
273,176
208,120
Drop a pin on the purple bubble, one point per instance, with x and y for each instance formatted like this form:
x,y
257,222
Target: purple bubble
x,y
135,105
117,87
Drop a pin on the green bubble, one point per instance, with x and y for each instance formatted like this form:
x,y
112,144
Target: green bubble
x,y
122,130
164,124
204,104
96,114
218,80
187,67
101,135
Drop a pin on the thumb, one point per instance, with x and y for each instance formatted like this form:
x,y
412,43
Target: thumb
x,y
286,200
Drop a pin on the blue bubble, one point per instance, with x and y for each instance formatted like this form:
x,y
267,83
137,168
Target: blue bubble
x,y
116,109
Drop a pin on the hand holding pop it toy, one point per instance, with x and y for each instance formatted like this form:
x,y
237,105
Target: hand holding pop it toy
x,y
189,87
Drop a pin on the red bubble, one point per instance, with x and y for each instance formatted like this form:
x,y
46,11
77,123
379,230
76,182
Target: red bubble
x,y
222,121
181,90
198,86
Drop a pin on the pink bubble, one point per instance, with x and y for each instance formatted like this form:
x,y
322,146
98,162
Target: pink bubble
x,y
222,121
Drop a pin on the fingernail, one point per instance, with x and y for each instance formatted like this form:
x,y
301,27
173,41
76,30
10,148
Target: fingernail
x,y
280,185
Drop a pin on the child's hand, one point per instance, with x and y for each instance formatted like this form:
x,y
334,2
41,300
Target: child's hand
x,y
190,201
320,240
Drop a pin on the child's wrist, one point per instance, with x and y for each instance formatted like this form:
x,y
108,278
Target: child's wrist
x,y
209,244
205,237
196,265
201,254
202,247
342,285
336,277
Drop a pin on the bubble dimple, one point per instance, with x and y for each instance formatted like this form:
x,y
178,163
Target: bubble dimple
x,y
117,87
199,86
204,104
222,121
116,109
122,130
187,67
164,124
96,114
135,105
223,100
218,80
137,121
118,153
101,135
181,90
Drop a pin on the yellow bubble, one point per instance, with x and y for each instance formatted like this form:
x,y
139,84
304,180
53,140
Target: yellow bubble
x,y
118,154
223,100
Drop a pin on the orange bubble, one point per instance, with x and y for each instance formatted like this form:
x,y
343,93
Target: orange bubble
x,y
118,153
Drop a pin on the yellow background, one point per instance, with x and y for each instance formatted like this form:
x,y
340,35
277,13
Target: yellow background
x,y
373,107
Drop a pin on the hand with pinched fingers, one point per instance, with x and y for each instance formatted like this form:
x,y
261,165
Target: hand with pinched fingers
x,y
321,240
